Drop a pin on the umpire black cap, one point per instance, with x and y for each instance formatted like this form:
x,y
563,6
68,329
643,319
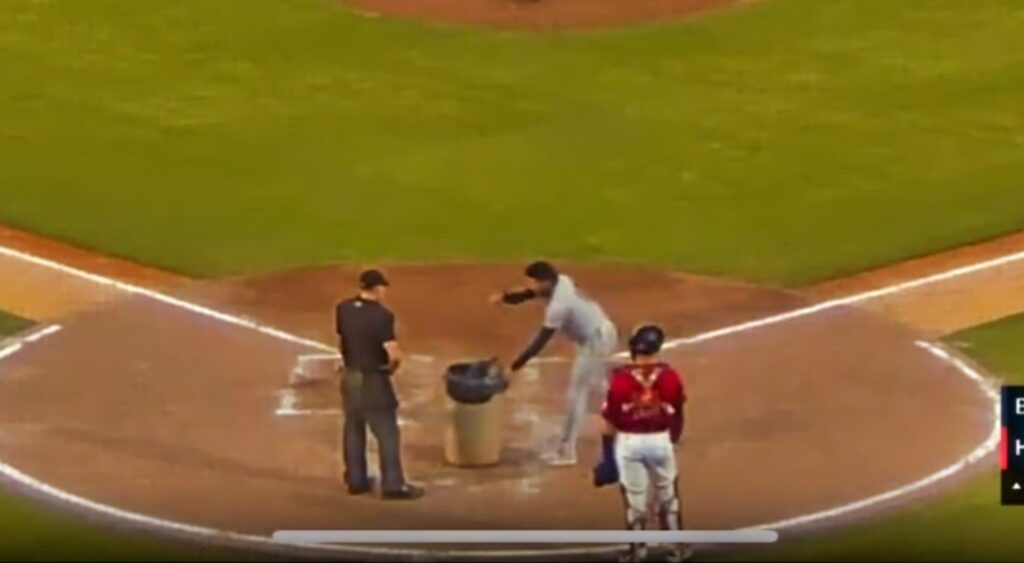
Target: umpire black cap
x,y
370,279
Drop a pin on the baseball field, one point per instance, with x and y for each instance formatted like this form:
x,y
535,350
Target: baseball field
x,y
819,200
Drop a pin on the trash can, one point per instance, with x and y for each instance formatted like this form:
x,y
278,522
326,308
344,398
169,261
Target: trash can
x,y
475,413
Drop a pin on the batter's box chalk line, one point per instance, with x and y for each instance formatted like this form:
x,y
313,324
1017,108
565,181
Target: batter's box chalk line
x,y
290,404
981,451
304,371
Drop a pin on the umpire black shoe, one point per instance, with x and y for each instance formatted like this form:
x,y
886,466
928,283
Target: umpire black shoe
x,y
405,492
362,488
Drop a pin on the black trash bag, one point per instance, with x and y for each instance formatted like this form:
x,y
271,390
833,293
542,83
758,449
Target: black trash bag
x,y
475,383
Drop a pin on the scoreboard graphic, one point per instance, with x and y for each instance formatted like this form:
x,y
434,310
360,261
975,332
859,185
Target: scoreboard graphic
x,y
1011,450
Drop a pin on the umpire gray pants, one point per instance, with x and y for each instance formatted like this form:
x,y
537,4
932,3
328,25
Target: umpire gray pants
x,y
383,423
370,403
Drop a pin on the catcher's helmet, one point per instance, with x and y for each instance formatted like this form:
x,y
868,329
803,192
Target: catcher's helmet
x,y
646,340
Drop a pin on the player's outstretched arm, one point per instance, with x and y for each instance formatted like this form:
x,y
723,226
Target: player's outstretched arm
x,y
513,296
535,347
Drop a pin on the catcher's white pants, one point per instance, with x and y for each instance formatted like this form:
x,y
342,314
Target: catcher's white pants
x,y
647,472
589,374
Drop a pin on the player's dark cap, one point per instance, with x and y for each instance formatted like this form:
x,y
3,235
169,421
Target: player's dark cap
x,y
541,271
370,279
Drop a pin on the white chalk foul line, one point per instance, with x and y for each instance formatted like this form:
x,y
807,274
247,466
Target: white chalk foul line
x,y
976,454
19,343
979,453
163,298
849,300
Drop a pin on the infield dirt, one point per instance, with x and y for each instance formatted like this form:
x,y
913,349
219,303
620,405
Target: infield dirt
x,y
173,414
178,415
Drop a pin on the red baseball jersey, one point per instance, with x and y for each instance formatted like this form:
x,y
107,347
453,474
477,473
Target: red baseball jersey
x,y
645,399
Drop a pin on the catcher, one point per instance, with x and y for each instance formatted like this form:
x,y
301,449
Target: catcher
x,y
644,419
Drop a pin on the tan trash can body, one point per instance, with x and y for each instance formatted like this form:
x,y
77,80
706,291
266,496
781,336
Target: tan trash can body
x,y
473,432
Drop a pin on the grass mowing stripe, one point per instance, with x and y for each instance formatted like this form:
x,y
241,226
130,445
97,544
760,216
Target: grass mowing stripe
x,y
11,324
267,134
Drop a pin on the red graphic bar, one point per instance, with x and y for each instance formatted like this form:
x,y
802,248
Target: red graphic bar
x,y
1004,450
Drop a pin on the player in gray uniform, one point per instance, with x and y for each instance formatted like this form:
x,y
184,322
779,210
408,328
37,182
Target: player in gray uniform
x,y
581,320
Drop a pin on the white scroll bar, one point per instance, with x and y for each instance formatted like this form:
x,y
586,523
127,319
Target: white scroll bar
x,y
749,536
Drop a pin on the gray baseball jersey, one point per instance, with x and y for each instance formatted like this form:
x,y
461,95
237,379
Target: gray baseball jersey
x,y
571,312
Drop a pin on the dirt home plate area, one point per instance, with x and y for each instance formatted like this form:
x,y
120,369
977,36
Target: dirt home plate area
x,y
142,406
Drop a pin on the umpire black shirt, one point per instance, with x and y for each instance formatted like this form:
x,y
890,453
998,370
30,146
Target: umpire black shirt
x,y
364,325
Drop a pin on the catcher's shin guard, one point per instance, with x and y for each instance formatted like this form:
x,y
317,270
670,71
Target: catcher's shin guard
x,y
636,552
670,516
636,509
670,511
636,519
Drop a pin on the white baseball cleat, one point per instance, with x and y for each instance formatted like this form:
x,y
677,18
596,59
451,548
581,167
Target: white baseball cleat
x,y
636,553
679,553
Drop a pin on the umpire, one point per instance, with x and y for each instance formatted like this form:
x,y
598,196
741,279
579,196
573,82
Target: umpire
x,y
371,356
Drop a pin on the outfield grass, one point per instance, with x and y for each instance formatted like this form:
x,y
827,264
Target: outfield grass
x,y
32,532
967,525
10,324
788,142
